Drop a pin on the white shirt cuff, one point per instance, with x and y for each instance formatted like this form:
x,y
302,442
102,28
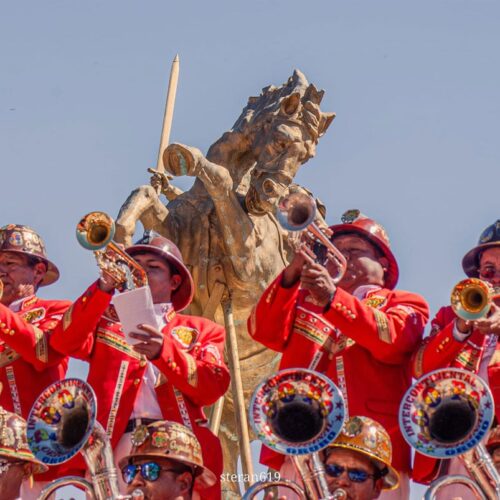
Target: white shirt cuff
x,y
458,335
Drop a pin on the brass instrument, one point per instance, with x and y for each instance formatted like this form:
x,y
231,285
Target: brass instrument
x,y
471,298
298,412
445,414
1,289
61,423
95,232
296,212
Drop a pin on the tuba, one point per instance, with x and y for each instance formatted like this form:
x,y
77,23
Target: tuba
x,y
61,423
298,412
95,232
296,212
471,298
447,413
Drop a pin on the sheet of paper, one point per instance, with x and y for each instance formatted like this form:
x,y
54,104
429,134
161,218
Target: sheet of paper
x,y
135,307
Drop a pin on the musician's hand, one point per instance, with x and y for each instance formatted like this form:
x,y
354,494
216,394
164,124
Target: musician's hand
x,y
292,272
490,324
107,283
464,326
315,278
151,341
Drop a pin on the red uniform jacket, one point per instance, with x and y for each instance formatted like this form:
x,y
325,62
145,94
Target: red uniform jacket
x,y
364,346
193,373
441,350
28,364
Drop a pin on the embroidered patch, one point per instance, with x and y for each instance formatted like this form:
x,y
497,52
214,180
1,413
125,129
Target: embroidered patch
x,y
185,335
7,355
376,301
34,315
159,439
353,427
211,354
139,435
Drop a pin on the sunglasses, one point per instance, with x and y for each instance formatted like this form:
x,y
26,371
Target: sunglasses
x,y
150,471
488,272
354,475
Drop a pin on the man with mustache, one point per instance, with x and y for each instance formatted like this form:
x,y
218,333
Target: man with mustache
x,y
469,345
360,332
173,371
359,460
167,464
27,362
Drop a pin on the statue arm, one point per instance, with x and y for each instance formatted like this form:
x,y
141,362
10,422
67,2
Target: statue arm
x,y
236,226
143,205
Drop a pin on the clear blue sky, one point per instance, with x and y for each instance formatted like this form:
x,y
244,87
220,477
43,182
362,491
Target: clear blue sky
x,y
414,85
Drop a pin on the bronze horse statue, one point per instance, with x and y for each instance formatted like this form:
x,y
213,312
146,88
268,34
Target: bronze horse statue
x,y
225,225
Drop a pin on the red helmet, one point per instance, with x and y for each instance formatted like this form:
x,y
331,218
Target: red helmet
x,y
490,237
353,221
154,243
22,239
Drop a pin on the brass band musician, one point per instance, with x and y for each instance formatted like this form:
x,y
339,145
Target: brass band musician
x,y
360,332
466,344
166,464
27,361
359,460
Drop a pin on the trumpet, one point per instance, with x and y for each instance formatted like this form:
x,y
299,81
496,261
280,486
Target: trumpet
x,y
296,212
298,412
445,414
61,423
471,298
95,232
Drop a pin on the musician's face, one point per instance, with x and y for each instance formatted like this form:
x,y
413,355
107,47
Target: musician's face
x,y
495,455
489,266
12,474
349,459
364,264
20,278
170,485
160,279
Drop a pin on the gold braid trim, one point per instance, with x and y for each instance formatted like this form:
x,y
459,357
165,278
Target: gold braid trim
x,y
41,348
192,378
384,333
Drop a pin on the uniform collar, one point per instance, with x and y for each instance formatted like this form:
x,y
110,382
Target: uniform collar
x,y
364,290
165,310
22,303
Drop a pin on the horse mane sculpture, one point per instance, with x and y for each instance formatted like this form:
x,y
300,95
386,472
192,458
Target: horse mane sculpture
x,y
224,225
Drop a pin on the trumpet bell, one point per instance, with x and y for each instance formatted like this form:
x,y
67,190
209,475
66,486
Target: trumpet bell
x,y
446,413
297,411
61,421
296,211
471,299
95,230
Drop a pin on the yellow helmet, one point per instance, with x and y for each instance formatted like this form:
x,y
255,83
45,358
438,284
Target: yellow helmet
x,y
368,437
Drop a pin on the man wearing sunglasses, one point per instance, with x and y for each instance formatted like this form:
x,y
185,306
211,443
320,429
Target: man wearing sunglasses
x,y
469,345
171,373
360,332
17,462
359,460
167,464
